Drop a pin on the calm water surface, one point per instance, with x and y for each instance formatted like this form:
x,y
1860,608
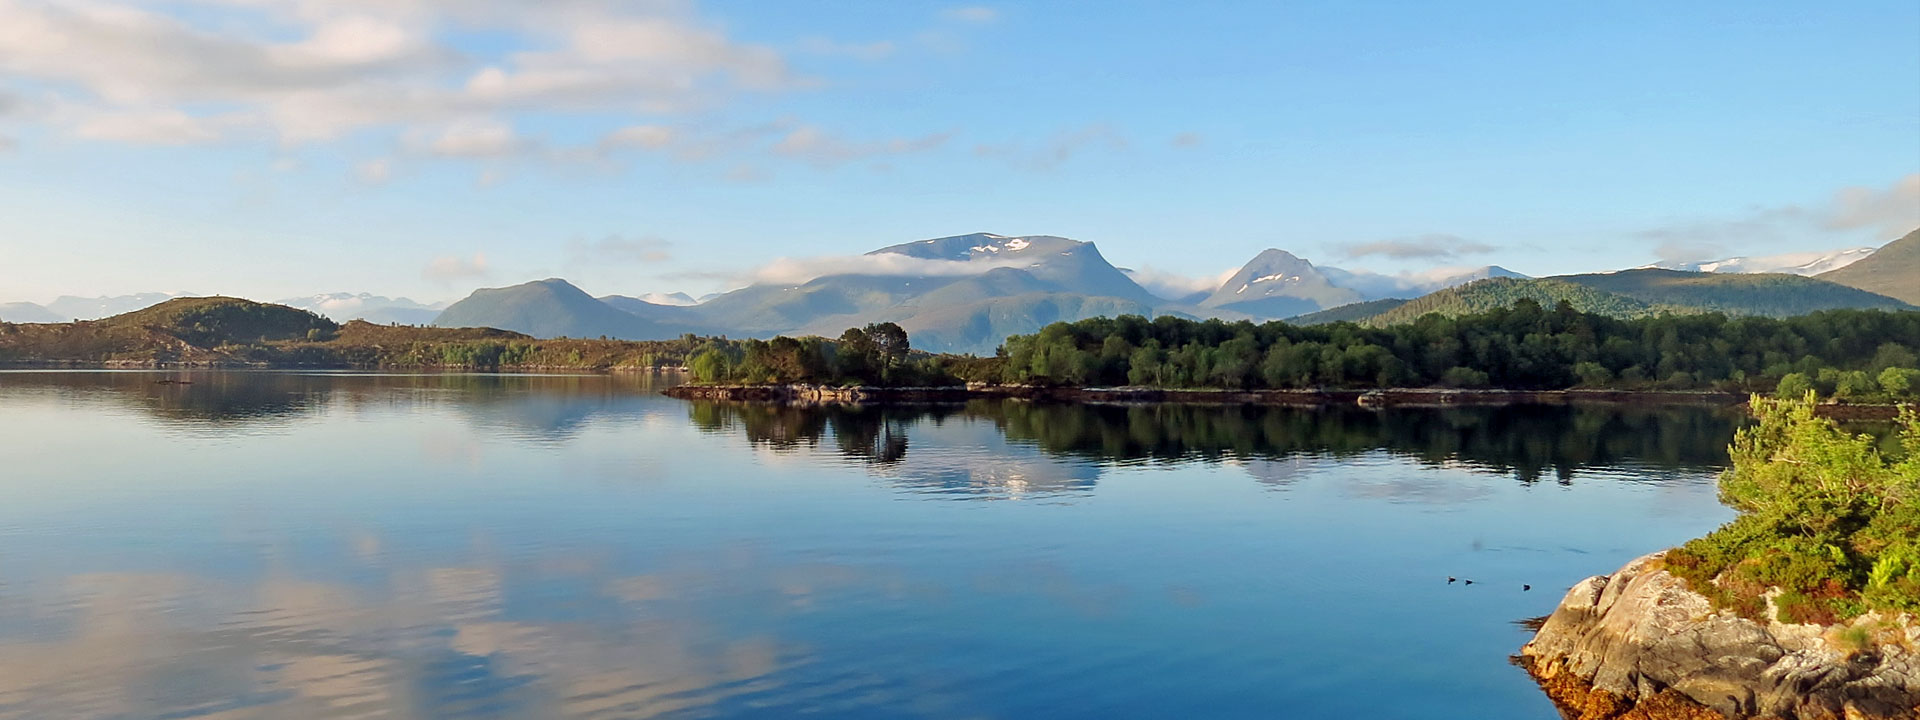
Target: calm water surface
x,y
266,545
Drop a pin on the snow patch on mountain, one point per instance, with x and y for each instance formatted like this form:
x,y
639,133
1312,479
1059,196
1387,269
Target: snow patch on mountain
x,y
1801,263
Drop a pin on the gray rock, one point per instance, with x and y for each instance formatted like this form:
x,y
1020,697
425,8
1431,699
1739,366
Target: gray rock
x,y
1640,631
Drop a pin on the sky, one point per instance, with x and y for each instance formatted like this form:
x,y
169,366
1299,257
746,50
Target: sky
x,y
279,148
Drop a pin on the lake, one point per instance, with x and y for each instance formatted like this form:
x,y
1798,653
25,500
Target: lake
x,y
341,545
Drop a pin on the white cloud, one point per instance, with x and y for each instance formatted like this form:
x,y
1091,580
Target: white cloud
x,y
1172,285
1890,212
448,269
477,138
153,127
315,69
1886,213
971,14
648,137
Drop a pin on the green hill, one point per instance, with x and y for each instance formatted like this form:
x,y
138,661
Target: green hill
x,y
1351,312
1490,294
1770,294
211,321
1893,270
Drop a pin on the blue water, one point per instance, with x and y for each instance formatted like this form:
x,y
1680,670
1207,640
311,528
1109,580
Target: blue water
x,y
282,545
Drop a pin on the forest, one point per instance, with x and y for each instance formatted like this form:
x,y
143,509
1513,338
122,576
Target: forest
x,y
1856,355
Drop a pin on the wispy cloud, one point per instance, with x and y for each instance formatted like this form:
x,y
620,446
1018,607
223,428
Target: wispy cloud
x,y
1436,246
1886,212
1187,140
1172,285
375,172
1063,147
822,148
315,70
449,269
618,250
877,50
971,14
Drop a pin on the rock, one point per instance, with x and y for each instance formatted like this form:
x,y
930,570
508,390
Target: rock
x,y
1639,645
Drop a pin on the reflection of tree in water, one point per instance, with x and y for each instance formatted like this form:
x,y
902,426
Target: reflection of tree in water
x,y
1528,441
873,434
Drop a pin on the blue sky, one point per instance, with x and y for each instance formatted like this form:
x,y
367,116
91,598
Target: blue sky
x,y
272,148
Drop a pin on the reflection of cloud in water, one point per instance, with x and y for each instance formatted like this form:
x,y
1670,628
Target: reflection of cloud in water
x,y
1278,473
970,459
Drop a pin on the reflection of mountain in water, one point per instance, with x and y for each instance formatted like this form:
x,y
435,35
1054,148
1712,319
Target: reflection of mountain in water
x,y
540,408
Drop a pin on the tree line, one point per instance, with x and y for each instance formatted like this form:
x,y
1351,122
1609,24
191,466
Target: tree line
x,y
1853,354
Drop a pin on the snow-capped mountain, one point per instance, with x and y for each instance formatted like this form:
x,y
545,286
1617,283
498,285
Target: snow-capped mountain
x,y
1802,263
672,298
1277,283
69,307
379,309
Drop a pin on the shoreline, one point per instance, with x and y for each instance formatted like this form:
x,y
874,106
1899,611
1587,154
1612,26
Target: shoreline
x,y
1393,397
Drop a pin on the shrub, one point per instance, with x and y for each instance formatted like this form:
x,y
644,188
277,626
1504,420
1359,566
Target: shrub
x,y
1825,517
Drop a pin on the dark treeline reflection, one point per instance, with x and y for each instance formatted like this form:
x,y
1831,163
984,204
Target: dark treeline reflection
x,y
1531,442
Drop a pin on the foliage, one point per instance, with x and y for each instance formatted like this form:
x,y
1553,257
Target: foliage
x,y
1826,517
1521,347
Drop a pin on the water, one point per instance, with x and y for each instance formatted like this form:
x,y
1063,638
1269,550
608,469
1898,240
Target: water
x,y
278,545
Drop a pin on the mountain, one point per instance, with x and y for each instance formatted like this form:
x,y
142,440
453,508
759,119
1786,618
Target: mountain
x,y
1893,270
377,309
649,310
1277,284
1805,263
68,307
1775,294
963,293
551,308
26,312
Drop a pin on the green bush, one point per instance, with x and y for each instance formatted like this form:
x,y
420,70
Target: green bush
x,y
1825,517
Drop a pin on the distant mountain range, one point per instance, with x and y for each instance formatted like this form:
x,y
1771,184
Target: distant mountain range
x,y
341,307
1809,264
967,293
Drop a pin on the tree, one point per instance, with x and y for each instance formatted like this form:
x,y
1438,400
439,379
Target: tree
x,y
1793,385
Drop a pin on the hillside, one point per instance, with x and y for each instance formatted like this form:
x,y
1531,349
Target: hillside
x,y
1771,294
1352,312
1893,270
178,330
26,312
1495,293
551,308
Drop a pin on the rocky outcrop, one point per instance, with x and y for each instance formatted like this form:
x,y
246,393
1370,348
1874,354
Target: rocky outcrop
x,y
1639,645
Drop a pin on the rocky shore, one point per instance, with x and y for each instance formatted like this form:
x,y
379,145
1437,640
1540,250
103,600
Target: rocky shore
x,y
1639,645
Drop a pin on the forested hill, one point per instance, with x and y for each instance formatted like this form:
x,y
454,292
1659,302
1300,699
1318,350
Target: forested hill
x,y
1496,293
1637,293
1855,354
